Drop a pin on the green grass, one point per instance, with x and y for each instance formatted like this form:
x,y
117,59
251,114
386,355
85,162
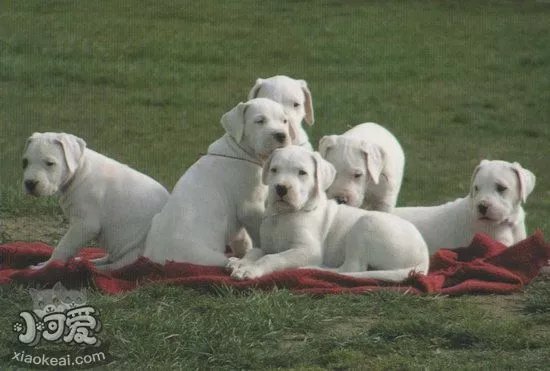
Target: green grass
x,y
146,82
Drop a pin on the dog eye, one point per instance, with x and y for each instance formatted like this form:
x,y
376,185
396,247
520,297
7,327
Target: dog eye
x,y
273,170
25,163
476,188
50,163
285,121
357,175
501,188
296,104
302,172
260,120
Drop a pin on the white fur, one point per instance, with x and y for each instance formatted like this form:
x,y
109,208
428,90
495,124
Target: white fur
x,y
453,224
103,199
302,228
369,164
222,192
294,95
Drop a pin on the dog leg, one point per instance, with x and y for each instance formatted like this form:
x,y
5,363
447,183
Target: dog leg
x,y
251,256
291,258
240,244
77,236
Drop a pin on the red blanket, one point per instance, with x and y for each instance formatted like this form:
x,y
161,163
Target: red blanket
x,y
486,266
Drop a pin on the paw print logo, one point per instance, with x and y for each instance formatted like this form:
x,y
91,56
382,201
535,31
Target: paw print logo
x,y
17,327
40,326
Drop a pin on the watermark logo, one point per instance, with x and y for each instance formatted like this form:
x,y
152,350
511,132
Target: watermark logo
x,y
59,316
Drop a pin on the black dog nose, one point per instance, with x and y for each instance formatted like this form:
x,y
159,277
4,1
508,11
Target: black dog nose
x,y
341,200
30,184
280,137
281,190
482,208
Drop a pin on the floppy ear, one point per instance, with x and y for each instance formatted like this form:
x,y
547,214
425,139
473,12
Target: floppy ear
x,y
308,104
73,149
324,172
526,180
476,170
265,171
292,128
375,160
253,93
324,176
233,121
326,143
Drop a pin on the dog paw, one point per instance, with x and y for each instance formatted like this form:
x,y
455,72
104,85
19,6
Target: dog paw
x,y
233,263
246,272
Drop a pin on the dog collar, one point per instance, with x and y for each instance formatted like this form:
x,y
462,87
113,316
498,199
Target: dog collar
x,y
232,157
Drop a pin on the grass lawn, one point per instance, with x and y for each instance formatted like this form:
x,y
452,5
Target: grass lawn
x,y
146,82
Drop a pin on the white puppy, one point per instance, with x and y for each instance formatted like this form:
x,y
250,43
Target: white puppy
x,y
103,199
369,164
222,192
294,95
492,207
301,227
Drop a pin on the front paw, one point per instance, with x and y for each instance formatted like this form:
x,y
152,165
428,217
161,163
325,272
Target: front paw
x,y
246,272
234,263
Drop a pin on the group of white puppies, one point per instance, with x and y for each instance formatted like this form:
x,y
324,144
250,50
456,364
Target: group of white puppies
x,y
263,192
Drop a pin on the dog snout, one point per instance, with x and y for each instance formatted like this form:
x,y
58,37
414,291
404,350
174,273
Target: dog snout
x,y
30,185
281,190
280,137
482,208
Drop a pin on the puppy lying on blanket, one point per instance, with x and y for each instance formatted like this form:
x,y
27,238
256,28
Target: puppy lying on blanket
x,y
492,207
222,192
301,227
369,164
102,198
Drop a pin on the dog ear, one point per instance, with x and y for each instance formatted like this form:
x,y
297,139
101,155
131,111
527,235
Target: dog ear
x,y
267,164
73,149
324,176
308,104
324,172
326,143
233,121
255,89
526,180
292,127
374,159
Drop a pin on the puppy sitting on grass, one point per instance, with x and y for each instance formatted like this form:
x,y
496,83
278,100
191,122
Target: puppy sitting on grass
x,y
102,198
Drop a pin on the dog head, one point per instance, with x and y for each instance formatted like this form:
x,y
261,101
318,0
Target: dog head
x,y
497,190
357,163
49,162
297,179
259,125
293,94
